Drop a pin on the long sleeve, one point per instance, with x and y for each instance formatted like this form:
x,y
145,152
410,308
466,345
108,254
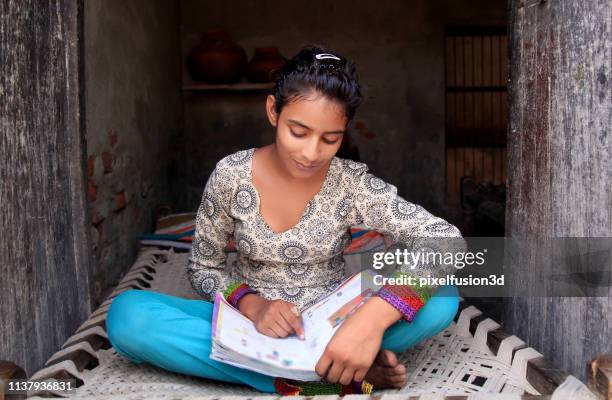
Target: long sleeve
x,y
379,207
207,263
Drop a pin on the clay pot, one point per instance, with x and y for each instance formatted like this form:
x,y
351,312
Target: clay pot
x,y
264,64
217,59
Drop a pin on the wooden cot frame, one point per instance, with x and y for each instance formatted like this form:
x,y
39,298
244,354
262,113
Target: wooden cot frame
x,y
78,352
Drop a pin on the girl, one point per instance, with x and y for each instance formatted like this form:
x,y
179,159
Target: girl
x,y
289,206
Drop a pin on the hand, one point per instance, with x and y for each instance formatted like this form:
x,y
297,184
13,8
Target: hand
x,y
353,348
351,351
275,318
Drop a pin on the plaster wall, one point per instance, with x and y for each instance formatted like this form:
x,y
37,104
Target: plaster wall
x,y
133,112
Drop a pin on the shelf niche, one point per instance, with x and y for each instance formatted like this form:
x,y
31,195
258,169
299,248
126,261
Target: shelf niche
x,y
240,86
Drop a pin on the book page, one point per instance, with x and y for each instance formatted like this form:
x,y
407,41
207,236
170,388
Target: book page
x,y
324,318
233,332
236,332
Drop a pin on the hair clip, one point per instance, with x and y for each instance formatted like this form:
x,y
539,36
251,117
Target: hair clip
x,y
322,56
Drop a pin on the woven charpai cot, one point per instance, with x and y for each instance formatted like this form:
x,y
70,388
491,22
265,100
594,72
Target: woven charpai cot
x,y
455,362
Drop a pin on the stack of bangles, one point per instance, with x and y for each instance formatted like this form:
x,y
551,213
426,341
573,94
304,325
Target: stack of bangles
x,y
235,291
408,300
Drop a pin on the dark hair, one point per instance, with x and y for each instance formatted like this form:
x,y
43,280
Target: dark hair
x,y
317,69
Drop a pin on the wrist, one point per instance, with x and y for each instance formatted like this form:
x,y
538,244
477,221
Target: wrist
x,y
377,309
250,304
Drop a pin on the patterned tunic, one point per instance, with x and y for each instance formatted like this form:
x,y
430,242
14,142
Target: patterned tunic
x,y
306,261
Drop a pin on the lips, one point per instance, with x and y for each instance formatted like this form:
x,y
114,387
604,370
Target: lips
x,y
303,166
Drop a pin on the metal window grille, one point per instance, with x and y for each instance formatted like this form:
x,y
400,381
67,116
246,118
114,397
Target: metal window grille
x,y
476,113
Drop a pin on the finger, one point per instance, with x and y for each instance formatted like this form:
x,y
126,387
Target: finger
x,y
263,329
293,308
281,321
273,331
347,376
294,322
295,311
279,329
333,376
323,365
269,332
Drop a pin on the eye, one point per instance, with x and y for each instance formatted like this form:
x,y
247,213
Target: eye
x,y
330,141
299,135
333,141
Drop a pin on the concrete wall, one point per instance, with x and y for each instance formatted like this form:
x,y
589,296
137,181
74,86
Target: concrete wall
x,y
398,47
133,113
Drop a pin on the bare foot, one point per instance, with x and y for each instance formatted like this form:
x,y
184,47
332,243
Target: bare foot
x,y
387,371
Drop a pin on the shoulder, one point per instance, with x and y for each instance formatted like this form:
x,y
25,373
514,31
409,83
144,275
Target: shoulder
x,y
351,168
237,164
231,169
236,161
357,178
361,180
357,173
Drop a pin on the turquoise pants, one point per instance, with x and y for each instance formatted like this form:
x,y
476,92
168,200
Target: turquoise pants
x,y
175,333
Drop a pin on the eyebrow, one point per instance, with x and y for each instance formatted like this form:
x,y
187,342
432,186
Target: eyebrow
x,y
309,128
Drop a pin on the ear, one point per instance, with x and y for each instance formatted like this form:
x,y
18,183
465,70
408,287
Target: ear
x,y
272,116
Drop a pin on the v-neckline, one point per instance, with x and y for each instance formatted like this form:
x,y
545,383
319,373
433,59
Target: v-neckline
x,y
309,203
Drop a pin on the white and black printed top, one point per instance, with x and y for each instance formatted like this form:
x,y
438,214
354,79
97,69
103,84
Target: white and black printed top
x,y
306,261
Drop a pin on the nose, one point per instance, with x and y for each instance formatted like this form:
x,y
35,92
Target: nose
x,y
310,151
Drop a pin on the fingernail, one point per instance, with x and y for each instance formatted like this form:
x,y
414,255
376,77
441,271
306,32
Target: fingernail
x,y
302,336
295,311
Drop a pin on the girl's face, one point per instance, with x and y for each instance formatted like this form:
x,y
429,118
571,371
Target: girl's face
x,y
309,132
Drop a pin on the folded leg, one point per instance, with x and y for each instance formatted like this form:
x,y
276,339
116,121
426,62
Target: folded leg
x,y
172,333
432,318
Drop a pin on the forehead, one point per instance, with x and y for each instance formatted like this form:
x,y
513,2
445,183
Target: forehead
x,y
317,112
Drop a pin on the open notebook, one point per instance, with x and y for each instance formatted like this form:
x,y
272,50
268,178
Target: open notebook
x,y
237,342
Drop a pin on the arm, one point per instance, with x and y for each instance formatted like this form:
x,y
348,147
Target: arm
x,y
207,272
378,206
206,268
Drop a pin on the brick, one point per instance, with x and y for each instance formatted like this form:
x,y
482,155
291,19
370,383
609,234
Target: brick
x,y
92,191
120,201
91,162
107,162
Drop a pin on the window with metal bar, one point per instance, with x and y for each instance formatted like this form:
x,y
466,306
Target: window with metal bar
x,y
476,97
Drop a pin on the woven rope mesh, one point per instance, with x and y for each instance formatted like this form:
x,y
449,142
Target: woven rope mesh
x,y
451,363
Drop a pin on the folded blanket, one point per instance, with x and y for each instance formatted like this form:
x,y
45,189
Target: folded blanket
x,y
177,231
